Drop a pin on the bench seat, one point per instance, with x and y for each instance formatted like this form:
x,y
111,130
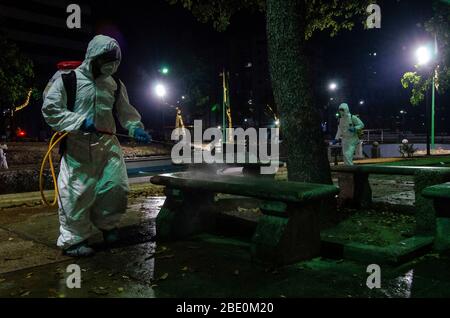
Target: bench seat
x,y
356,191
440,194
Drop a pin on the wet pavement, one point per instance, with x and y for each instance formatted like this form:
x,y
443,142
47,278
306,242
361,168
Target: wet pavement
x,y
208,265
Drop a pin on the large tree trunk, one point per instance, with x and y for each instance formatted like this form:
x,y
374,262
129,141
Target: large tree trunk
x,y
300,120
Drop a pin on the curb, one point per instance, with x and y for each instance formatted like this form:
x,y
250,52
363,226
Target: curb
x,y
397,253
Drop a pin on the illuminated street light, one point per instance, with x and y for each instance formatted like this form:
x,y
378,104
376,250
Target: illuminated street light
x,y
164,70
424,55
333,86
160,90
361,102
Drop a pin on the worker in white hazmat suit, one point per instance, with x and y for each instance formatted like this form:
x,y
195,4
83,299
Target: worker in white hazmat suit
x,y
93,182
348,129
3,161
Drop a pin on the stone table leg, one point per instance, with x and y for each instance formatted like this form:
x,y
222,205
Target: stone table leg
x,y
286,233
185,213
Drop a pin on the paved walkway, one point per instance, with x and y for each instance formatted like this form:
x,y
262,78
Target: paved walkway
x,y
204,266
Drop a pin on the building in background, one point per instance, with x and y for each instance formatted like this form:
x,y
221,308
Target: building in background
x,y
39,29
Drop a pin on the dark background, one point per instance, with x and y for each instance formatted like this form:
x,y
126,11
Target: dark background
x,y
153,34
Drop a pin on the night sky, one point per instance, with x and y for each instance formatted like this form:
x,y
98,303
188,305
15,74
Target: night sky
x,y
155,33
158,33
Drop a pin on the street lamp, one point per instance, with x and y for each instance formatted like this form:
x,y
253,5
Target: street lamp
x,y
160,91
333,86
164,70
425,55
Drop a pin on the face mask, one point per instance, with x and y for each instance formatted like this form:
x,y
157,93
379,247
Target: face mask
x,y
109,69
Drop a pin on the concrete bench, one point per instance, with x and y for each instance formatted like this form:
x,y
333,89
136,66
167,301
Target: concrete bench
x,y
355,188
287,231
440,194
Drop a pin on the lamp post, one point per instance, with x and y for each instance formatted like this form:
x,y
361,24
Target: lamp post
x,y
425,55
161,92
332,87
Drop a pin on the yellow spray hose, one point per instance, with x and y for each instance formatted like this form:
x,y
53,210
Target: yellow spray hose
x,y
56,139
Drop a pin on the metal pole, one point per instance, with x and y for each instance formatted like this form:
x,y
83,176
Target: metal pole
x,y
433,104
223,107
427,123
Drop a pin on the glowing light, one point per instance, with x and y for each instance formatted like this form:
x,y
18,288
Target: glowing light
x,y
423,55
160,90
333,86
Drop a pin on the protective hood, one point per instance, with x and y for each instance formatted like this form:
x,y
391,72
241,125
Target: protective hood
x,y
345,108
99,45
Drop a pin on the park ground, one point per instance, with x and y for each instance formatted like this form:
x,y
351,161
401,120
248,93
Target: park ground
x,y
211,265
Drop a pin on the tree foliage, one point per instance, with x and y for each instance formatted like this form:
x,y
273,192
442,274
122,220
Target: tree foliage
x,y
421,80
331,15
16,74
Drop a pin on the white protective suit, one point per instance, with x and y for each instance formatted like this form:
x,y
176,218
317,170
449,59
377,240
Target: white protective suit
x,y
3,161
350,140
93,181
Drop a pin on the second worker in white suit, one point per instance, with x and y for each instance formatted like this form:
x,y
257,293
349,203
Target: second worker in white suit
x,y
349,126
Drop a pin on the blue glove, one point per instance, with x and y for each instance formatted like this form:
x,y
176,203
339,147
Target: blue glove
x,y
88,125
140,135
352,130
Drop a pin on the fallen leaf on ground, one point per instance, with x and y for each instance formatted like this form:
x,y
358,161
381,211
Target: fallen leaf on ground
x,y
164,276
12,258
166,256
98,291
120,289
161,250
185,268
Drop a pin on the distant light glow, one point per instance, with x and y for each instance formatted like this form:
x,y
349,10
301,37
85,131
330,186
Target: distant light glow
x,y
333,86
21,133
361,102
165,70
